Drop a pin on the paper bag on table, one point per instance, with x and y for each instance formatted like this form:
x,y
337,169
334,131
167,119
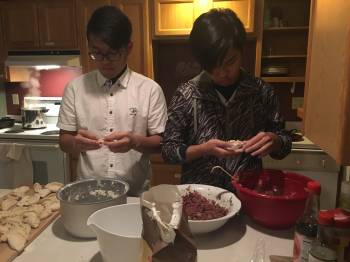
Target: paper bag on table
x,y
166,236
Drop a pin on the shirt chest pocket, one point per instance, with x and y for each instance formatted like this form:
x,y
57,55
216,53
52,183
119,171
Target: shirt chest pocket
x,y
137,120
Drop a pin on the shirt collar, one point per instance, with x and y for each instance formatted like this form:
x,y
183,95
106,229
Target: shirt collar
x,y
122,81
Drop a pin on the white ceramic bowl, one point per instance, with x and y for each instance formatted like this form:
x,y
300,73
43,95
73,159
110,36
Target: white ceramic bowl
x,y
221,196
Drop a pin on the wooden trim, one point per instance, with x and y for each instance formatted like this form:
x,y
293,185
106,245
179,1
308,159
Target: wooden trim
x,y
259,11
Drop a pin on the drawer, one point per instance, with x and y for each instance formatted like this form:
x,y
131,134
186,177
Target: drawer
x,y
301,159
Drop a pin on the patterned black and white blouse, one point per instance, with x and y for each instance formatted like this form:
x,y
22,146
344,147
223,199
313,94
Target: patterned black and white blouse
x,y
198,113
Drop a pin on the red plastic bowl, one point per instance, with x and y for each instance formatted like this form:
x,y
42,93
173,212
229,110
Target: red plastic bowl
x,y
275,212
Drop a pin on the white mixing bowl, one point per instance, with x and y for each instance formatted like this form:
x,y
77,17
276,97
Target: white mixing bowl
x,y
221,196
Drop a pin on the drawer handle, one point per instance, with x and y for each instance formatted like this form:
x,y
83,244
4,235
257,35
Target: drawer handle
x,y
298,162
49,43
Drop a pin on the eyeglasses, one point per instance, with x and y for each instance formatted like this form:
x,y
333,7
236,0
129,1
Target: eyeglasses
x,y
110,56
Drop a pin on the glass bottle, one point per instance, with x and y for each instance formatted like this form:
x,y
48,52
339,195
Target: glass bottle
x,y
323,248
306,226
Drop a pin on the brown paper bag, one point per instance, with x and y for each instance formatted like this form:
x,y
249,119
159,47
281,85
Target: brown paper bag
x,y
166,236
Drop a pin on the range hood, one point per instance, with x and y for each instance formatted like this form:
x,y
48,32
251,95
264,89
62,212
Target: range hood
x,y
40,59
21,64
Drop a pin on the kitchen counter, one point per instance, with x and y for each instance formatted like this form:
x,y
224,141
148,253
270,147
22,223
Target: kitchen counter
x,y
234,242
29,134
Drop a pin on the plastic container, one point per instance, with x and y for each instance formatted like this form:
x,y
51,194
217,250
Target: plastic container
x,y
323,249
275,212
342,233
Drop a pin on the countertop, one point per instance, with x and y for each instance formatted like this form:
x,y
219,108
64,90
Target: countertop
x,y
29,134
234,242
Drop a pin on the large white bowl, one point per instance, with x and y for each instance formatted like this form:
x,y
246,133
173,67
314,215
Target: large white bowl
x,y
221,196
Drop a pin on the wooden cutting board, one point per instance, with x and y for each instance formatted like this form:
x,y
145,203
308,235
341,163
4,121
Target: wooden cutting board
x,y
8,254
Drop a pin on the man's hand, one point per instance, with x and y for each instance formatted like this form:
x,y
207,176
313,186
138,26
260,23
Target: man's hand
x,y
120,142
262,144
86,140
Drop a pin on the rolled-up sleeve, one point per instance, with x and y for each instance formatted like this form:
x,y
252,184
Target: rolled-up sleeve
x,y
67,115
175,137
157,112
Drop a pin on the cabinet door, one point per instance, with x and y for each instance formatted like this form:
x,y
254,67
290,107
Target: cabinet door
x,y
163,173
140,57
173,17
57,24
21,25
327,97
243,8
85,8
176,17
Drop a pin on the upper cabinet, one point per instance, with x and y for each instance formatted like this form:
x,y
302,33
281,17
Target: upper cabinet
x,y
85,8
40,24
176,17
137,11
140,57
57,26
327,96
282,41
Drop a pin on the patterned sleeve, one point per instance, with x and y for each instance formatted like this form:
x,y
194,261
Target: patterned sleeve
x,y
275,123
175,137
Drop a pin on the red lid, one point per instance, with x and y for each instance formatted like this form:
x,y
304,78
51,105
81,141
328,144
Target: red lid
x,y
341,218
314,187
326,217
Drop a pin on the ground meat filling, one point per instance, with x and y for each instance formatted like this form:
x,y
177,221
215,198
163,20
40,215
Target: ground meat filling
x,y
197,207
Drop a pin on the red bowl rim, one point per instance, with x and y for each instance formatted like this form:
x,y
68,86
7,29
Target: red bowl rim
x,y
253,193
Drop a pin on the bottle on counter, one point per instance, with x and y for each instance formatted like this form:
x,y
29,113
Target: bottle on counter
x,y
324,247
306,226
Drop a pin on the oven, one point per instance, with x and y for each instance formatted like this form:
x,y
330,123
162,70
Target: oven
x,y
33,155
48,164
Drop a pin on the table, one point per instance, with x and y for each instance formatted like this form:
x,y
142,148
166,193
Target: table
x,y
234,242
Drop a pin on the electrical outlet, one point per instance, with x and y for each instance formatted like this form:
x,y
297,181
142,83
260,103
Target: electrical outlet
x,y
297,102
15,99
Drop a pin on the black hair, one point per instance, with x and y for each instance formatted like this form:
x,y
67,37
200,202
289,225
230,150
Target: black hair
x,y
213,34
111,25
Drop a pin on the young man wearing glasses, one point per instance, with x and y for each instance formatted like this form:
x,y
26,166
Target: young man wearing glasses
x,y
112,117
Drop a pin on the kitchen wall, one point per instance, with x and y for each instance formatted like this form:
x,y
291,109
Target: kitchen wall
x,y
45,83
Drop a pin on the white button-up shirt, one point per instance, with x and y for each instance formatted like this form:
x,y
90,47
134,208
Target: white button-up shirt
x,y
133,103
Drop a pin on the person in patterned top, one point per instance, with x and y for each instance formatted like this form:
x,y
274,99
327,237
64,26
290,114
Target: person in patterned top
x,y
222,103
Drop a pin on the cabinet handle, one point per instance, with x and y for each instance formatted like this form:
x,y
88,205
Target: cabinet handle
x,y
324,163
298,162
177,175
49,43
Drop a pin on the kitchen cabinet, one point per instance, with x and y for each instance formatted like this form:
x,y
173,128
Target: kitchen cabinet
x,y
40,24
3,51
137,11
176,17
327,92
163,173
282,41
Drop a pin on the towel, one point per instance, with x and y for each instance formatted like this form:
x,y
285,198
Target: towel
x,y
16,168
